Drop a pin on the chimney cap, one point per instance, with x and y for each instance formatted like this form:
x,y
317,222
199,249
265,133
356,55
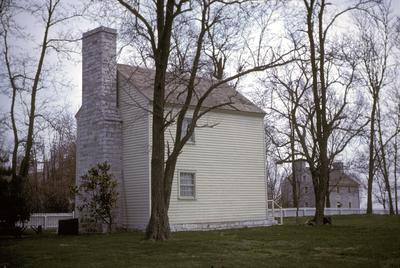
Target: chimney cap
x,y
338,165
99,29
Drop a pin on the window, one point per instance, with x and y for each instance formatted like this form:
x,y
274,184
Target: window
x,y
338,204
187,187
306,204
349,204
305,189
185,126
337,189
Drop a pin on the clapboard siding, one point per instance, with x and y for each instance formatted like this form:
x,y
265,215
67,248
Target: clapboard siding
x,y
135,155
229,163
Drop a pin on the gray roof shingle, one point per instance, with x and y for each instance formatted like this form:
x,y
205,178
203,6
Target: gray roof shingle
x,y
142,80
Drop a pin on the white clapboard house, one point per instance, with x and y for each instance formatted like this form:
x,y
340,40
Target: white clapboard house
x,y
219,180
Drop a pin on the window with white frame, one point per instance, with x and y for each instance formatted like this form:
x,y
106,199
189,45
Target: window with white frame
x,y
185,126
187,185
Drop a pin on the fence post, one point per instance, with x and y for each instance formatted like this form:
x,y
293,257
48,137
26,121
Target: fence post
x,y
273,209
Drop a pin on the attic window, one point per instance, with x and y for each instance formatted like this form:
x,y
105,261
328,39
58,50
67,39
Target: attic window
x,y
185,127
187,185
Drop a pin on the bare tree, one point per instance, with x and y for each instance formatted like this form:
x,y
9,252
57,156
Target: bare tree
x,y
376,46
190,40
21,76
289,85
27,69
53,164
326,124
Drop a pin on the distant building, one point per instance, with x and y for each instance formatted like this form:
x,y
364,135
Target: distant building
x,y
343,188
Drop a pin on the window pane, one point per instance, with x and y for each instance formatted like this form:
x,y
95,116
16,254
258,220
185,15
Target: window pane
x,y
185,125
186,184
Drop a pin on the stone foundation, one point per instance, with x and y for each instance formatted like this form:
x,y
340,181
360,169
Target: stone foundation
x,y
219,225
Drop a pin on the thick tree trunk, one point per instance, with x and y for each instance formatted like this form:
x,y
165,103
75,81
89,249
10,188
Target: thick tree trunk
x,y
158,226
319,209
321,188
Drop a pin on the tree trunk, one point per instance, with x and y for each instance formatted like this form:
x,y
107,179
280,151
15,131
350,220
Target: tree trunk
x,y
319,209
12,108
371,154
158,226
396,198
321,188
385,170
24,168
294,175
327,197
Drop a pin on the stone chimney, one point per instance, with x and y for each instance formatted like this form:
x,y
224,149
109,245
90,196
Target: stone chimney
x,y
300,165
99,126
338,165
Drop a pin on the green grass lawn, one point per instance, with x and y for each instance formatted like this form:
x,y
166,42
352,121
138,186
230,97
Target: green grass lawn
x,y
352,241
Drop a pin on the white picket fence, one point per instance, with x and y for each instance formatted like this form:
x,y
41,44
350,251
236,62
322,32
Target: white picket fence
x,y
48,220
291,212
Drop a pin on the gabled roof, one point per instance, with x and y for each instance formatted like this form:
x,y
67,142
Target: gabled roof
x,y
339,177
336,177
142,80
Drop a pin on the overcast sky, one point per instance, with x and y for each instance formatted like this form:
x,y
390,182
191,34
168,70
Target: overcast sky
x,y
72,68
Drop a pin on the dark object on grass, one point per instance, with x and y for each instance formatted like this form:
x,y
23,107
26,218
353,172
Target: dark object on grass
x,y
38,230
68,227
327,220
18,231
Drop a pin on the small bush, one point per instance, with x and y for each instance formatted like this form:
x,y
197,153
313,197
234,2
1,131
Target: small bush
x,y
98,194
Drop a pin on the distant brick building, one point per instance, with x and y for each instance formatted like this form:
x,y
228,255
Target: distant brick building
x,y
343,188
